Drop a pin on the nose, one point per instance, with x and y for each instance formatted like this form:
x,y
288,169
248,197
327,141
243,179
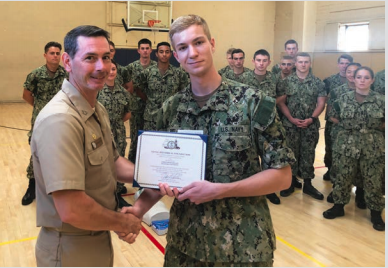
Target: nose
x,y
192,51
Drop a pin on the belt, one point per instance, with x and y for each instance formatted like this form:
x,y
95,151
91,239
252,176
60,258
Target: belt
x,y
66,233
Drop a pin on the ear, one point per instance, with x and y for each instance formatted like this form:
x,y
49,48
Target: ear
x,y
213,44
253,61
269,62
176,56
66,61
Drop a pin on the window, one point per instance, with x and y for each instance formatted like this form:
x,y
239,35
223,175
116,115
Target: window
x,y
353,36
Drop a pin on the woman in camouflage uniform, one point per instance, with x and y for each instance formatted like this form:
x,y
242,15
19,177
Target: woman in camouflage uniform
x,y
360,146
116,102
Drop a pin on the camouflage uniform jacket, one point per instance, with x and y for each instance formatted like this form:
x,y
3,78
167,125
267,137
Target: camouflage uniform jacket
x,y
332,82
267,86
116,103
276,69
379,84
361,133
239,78
134,70
242,125
123,76
336,92
43,88
159,88
301,96
224,70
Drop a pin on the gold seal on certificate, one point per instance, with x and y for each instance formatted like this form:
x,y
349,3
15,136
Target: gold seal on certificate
x,y
169,157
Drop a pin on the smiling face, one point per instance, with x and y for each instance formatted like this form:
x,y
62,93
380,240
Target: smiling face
x,y
89,68
350,73
193,50
113,73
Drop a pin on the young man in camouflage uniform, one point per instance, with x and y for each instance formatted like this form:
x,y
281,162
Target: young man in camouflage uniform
x,y
39,88
264,82
239,72
333,82
291,48
230,62
224,220
302,98
287,66
137,104
160,82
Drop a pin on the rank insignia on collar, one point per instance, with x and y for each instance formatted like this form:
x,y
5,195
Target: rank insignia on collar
x,y
94,136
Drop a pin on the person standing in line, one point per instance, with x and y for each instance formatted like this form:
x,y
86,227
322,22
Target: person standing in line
x,y
137,104
158,83
333,82
301,99
291,49
115,99
39,88
359,145
239,72
229,58
223,220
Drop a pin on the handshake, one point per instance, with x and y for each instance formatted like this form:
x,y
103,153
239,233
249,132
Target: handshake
x,y
197,192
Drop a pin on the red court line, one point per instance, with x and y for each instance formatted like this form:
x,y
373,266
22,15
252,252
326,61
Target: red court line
x,y
321,167
153,240
128,194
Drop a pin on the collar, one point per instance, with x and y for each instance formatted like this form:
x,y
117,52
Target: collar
x,y
80,103
218,102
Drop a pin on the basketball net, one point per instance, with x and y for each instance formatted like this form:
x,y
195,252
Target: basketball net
x,y
154,29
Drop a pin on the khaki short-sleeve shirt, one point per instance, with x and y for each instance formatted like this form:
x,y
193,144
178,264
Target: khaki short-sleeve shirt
x,y
72,149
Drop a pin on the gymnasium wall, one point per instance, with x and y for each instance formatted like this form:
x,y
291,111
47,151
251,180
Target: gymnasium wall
x,y
28,26
315,24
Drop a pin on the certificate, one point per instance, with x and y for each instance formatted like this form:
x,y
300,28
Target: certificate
x,y
169,157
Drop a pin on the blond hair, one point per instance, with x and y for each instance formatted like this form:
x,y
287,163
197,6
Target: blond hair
x,y
184,22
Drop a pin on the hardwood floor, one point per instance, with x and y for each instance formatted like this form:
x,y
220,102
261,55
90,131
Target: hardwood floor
x,y
304,237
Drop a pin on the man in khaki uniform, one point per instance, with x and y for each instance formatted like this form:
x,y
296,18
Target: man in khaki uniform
x,y
77,164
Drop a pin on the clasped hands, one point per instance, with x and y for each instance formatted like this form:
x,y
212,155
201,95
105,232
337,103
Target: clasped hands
x,y
302,123
197,192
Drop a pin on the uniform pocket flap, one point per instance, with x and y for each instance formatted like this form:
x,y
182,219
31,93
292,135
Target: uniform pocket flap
x,y
98,156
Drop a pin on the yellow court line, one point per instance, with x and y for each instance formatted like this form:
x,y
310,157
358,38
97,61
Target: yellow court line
x,y
17,241
16,143
300,251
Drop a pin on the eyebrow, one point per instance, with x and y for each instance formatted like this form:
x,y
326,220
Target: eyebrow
x,y
194,40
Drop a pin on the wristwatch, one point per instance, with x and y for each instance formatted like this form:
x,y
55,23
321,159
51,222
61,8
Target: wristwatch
x,y
315,119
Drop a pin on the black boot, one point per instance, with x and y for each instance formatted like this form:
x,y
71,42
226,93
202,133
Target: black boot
x,y
122,202
273,198
288,191
378,223
309,189
329,198
360,200
29,196
326,176
336,211
296,183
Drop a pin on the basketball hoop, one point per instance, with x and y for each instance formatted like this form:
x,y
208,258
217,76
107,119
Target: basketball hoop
x,y
152,22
